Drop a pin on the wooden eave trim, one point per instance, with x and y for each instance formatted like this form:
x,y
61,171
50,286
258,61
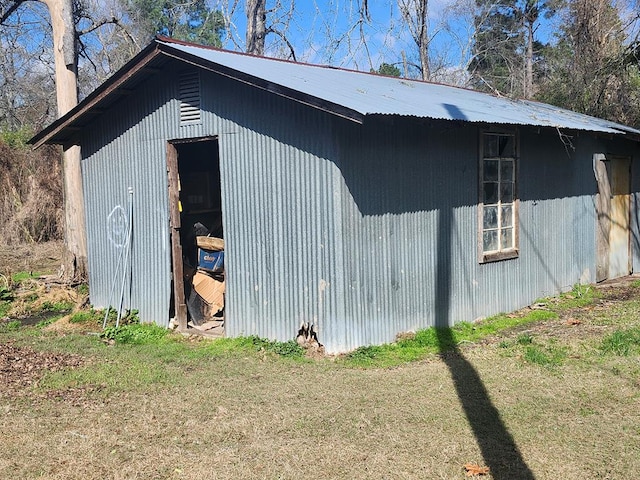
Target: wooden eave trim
x,y
291,94
92,101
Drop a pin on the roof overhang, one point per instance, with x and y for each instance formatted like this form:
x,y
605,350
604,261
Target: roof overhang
x,y
347,94
64,130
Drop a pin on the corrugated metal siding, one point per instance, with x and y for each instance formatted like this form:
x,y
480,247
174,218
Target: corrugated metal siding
x,y
635,211
279,216
410,229
126,149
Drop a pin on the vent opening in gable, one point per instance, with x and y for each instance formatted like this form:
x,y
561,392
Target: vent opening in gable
x,y
189,94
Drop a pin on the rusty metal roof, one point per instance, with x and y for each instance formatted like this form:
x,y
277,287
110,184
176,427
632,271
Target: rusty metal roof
x,y
351,94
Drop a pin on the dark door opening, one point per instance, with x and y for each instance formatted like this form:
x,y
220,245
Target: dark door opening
x,y
197,235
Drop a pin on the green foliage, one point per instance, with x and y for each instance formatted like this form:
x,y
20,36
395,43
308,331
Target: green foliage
x,y
440,340
366,353
388,69
190,21
579,296
587,67
11,326
58,307
6,294
549,356
498,40
87,316
289,349
505,30
135,333
46,322
127,317
524,339
16,138
20,277
622,342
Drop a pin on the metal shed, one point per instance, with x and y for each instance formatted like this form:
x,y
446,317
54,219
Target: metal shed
x,y
362,204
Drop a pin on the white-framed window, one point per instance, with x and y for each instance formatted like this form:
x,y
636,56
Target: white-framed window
x,y
498,201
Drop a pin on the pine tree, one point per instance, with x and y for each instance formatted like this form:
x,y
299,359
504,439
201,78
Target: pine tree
x,y
190,21
506,53
587,66
497,64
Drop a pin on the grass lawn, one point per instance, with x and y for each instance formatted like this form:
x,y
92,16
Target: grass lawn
x,y
547,393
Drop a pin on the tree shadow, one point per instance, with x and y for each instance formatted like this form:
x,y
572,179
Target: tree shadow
x,y
496,443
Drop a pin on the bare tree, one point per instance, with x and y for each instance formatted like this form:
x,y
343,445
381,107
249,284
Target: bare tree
x,y
25,81
65,55
415,14
256,26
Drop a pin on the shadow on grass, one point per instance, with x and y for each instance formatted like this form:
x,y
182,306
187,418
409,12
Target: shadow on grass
x,y
498,447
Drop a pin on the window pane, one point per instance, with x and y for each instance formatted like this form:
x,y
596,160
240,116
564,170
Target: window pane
x,y
506,146
506,171
490,241
506,192
490,219
506,219
490,193
490,170
490,147
506,238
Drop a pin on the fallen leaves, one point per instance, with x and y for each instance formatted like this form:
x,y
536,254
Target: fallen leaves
x,y
22,367
472,470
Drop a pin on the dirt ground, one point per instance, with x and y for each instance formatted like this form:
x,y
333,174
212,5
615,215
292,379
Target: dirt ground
x,y
42,258
21,367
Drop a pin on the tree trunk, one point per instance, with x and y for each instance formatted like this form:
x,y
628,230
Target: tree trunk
x,y
256,26
423,42
74,267
528,79
416,16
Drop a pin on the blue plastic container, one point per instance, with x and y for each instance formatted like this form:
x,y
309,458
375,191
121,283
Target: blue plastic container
x,y
210,260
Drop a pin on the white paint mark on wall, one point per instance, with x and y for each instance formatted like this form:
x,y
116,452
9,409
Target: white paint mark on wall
x,y
117,227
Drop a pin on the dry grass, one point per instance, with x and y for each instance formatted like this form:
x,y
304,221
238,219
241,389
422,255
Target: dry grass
x,y
42,258
30,194
191,411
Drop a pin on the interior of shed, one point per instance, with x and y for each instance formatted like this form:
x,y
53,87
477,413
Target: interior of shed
x,y
201,234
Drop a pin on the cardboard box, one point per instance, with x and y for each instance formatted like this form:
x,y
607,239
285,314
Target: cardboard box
x,y
210,260
211,290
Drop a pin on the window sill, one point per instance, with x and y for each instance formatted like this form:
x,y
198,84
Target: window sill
x,y
499,256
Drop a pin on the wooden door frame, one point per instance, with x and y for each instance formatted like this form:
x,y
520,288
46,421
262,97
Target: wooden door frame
x,y
603,204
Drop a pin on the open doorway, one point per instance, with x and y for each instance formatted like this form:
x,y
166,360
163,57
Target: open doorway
x,y
197,234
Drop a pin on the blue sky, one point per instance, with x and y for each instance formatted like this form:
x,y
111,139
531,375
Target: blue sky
x,y
322,32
